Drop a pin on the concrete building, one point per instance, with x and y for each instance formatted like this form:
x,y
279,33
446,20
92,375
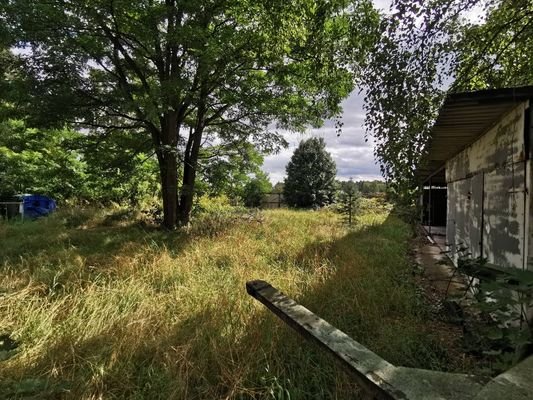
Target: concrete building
x,y
477,176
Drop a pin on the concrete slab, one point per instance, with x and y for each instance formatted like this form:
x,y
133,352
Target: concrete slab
x,y
378,378
514,384
438,269
435,230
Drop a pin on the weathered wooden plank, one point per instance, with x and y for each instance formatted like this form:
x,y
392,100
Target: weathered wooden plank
x,y
365,365
378,378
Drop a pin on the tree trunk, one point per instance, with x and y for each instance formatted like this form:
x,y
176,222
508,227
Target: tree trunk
x,y
168,168
189,175
169,189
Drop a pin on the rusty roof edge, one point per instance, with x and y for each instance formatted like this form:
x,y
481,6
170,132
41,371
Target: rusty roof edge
x,y
474,138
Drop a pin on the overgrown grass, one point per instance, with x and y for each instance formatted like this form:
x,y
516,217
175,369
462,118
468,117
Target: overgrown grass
x,y
106,308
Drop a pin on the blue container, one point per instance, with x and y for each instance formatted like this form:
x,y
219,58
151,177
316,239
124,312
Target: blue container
x,y
36,205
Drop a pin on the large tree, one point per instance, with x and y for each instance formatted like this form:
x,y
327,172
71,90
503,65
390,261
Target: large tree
x,y
311,174
428,49
186,71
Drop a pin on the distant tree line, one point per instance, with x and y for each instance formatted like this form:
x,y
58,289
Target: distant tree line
x,y
311,179
365,188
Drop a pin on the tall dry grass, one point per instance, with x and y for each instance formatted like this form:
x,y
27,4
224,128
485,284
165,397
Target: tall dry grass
x,y
103,307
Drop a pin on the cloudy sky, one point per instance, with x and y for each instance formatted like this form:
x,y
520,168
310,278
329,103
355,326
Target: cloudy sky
x,y
353,156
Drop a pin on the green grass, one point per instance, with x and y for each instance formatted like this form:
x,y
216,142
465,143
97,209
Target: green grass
x,y
104,307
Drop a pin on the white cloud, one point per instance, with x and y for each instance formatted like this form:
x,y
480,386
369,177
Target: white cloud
x,y
354,157
352,154
382,5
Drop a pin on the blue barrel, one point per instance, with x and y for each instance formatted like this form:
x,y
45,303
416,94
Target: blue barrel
x,y
36,205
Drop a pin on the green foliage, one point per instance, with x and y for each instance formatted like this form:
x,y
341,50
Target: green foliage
x,y
191,75
366,188
348,199
40,161
14,85
502,330
119,168
422,45
311,174
371,188
69,165
403,92
226,170
255,190
213,216
213,205
497,52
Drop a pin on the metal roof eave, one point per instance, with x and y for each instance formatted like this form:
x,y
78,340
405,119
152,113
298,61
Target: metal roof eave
x,y
462,119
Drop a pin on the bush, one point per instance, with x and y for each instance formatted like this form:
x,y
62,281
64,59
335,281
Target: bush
x,y
213,215
207,204
255,190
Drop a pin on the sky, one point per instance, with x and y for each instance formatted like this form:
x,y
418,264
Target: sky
x,y
354,157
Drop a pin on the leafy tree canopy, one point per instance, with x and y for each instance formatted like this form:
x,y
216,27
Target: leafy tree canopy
x,y
226,169
179,71
427,50
119,168
496,52
311,174
255,189
35,161
68,165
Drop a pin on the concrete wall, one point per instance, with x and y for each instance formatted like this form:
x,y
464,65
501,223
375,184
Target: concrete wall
x,y
487,195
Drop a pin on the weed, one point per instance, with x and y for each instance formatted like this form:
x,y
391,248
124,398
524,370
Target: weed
x,y
101,307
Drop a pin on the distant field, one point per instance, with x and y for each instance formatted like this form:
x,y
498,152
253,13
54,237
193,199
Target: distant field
x,y
104,307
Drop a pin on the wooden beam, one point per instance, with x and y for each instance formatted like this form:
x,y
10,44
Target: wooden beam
x,y
365,365
378,378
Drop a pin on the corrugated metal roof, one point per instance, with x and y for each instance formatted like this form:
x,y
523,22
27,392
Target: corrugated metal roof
x,y
463,118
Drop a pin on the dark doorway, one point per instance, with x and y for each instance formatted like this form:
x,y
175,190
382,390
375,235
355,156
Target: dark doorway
x,y
434,206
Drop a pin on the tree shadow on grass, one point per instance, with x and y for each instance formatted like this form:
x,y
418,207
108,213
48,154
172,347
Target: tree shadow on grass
x,y
51,251
369,293
83,241
74,234
365,289
191,359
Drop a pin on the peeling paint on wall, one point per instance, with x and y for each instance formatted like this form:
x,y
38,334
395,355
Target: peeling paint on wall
x,y
504,209
487,196
501,145
465,224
